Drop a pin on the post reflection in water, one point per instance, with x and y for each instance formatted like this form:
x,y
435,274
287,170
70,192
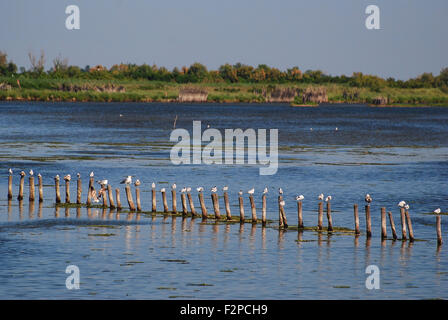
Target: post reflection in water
x,y
39,210
31,209
263,238
56,211
21,209
9,209
67,212
78,212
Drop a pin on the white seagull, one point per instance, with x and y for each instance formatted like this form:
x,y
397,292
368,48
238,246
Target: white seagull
x,y
225,188
437,211
401,204
368,198
39,175
22,173
78,175
183,190
300,198
31,172
137,183
173,186
240,192
91,174
68,177
102,183
328,199
153,185
128,180
56,178
200,189
188,189
214,189
10,171
406,207
251,191
321,196
265,190
280,190
162,190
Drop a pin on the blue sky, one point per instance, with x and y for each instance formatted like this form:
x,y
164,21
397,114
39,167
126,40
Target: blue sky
x,y
313,34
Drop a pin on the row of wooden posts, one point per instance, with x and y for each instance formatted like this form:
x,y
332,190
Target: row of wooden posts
x,y
106,194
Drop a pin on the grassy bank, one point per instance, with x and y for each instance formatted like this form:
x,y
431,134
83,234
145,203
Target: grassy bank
x,y
156,91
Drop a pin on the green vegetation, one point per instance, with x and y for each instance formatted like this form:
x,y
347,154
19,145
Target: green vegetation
x,y
230,83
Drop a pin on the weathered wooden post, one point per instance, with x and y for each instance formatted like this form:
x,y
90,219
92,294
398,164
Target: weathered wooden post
x,y
320,215
263,209
355,212
368,222
154,200
409,222
183,197
103,195
10,185
173,195
32,187
41,188
240,200
58,192
227,204
111,197
253,209
383,224
78,189
117,195
137,195
299,211
129,197
22,181
439,230
67,179
191,203
91,188
330,220
165,203
216,205
392,225
283,223
403,223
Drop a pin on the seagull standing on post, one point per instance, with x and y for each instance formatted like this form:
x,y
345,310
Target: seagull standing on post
x,y
321,196
128,180
251,191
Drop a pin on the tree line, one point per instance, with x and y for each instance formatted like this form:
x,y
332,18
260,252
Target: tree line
x,y
198,73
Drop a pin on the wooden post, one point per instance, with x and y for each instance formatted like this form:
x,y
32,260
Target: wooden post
x,y
117,194
137,195
103,194
263,210
253,209
165,203
58,192
129,198
383,224
183,197
392,225
22,181
154,200
203,207
216,205
78,190
91,188
173,195
227,205
368,222
111,197
41,188
439,230
330,220
283,223
355,211
403,224
191,203
320,215
32,188
67,188
409,222
299,214
10,187
240,200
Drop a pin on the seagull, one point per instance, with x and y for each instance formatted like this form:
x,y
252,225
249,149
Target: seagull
x,y
321,196
102,183
137,183
31,172
336,129
55,178
265,190
183,190
39,175
68,177
280,190
10,171
188,189
368,198
121,115
406,207
200,189
78,175
22,173
311,129
91,174
128,180
300,198
173,186
251,191
240,193
94,196
328,199
225,188
282,203
162,190
214,189
153,185
401,204
437,211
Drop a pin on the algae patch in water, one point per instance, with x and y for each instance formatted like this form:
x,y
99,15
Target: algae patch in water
x,y
175,260
101,234
200,284
166,288
341,287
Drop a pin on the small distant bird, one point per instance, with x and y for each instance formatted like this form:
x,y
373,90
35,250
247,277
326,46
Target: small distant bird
x,y
188,189
39,175
162,190
437,211
208,126
328,199
173,186
183,190
78,175
68,177
121,115
251,191
214,189
91,174
280,190
300,198
321,196
128,180
200,189
225,188
102,183
336,129
368,198
55,178
265,190
22,173
311,129
10,171
406,207
401,204
240,192
153,185
282,203
31,172
137,183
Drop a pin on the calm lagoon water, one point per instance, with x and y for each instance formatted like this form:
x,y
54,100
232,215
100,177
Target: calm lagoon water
x,y
391,153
